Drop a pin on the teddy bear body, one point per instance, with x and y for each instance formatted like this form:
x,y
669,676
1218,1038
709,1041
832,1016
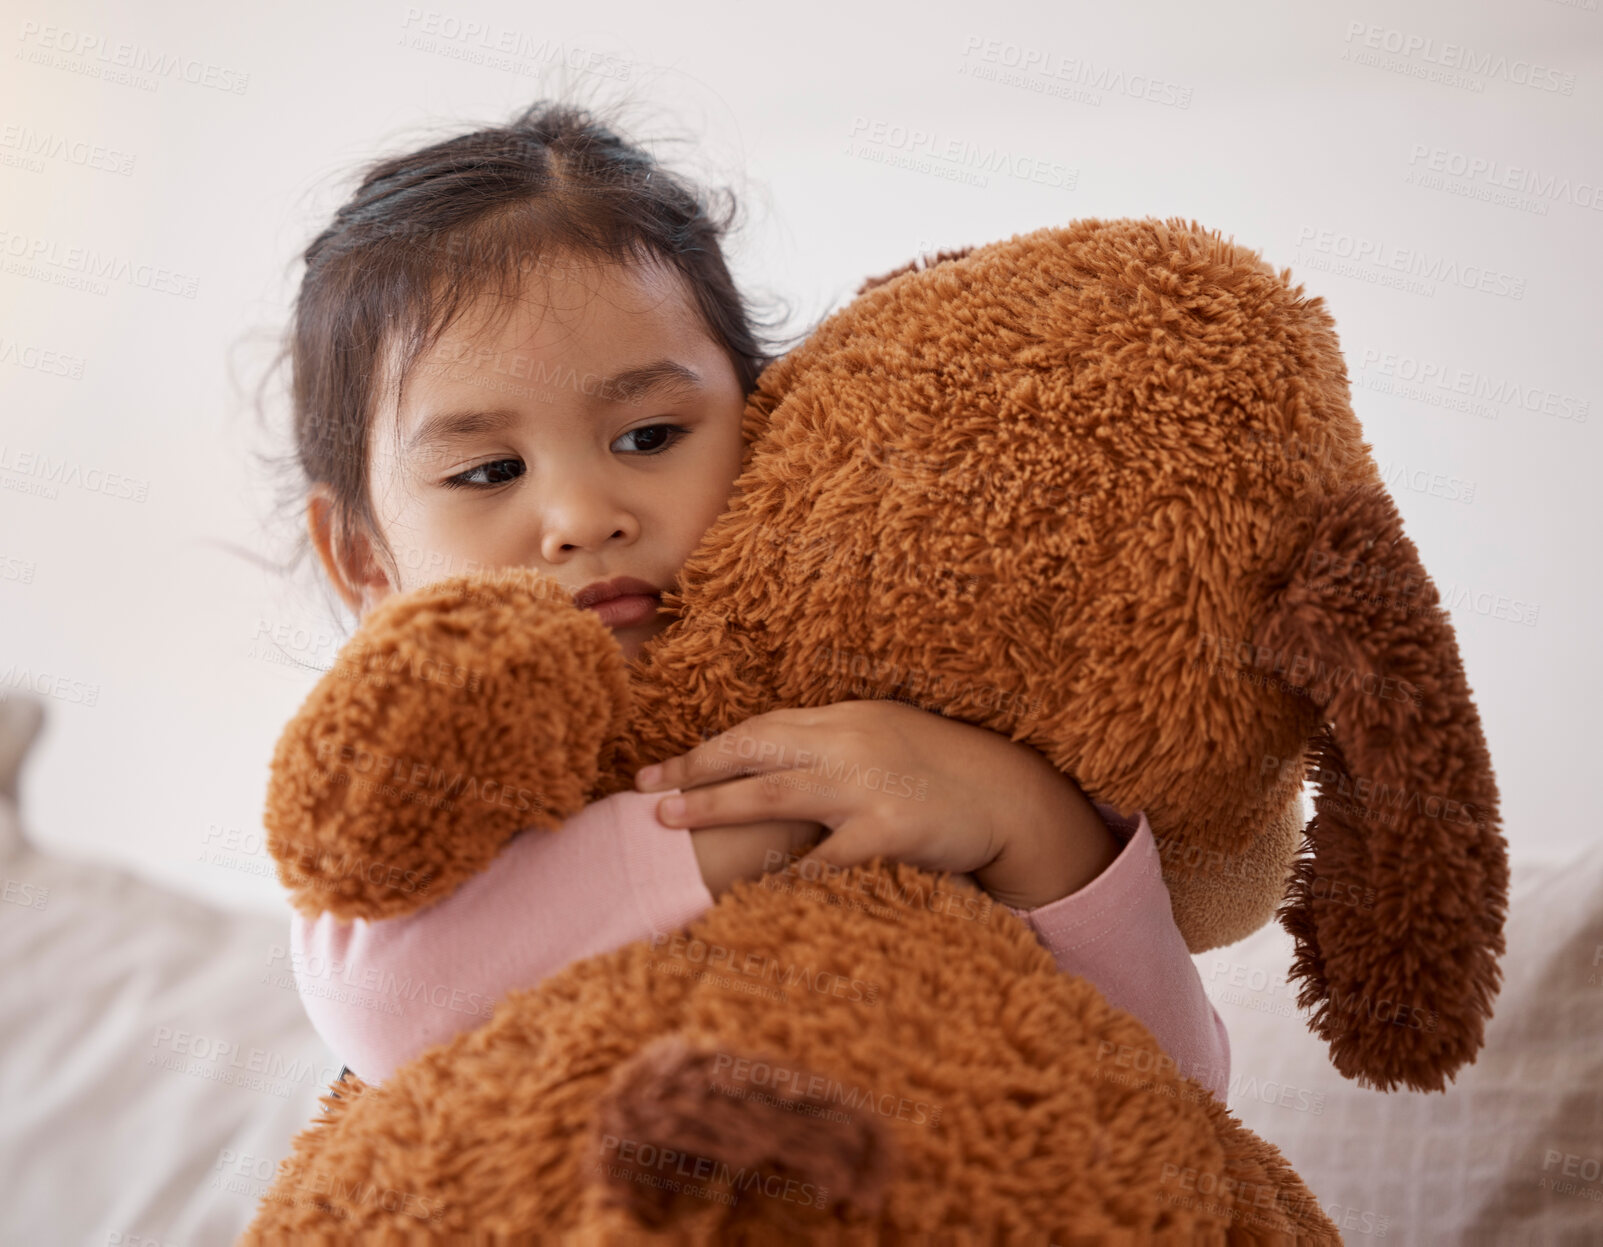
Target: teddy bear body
x,y
877,1056
1098,488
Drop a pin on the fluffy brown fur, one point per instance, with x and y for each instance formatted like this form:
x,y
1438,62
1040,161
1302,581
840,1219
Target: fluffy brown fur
x,y
961,1086
1099,488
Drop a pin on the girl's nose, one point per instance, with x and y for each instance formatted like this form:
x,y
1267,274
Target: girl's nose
x,y
576,547
583,518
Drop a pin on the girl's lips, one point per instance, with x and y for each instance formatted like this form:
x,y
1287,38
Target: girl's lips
x,y
627,611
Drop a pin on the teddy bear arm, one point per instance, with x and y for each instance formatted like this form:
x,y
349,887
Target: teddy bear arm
x,y
456,716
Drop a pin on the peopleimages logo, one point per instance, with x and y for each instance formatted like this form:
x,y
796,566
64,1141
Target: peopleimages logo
x,y
34,146
1299,671
1439,383
132,64
46,684
37,359
762,968
1047,72
946,155
500,47
1408,261
395,773
1495,173
40,473
31,256
1458,57
822,1090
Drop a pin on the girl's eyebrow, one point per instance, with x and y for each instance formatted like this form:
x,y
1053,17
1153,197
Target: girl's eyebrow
x,y
444,426
632,385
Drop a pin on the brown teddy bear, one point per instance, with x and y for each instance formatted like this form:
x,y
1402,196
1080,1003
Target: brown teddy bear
x,y
1099,488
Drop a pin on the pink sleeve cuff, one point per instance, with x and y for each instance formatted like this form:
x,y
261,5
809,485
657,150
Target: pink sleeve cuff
x,y
1118,931
660,862
380,993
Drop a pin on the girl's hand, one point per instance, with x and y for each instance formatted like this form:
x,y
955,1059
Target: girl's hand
x,y
891,780
749,850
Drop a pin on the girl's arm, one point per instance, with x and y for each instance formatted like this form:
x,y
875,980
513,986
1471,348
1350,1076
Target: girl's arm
x,y
380,993
1118,931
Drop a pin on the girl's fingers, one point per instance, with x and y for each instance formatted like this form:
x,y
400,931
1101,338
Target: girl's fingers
x,y
860,839
842,849
763,743
785,796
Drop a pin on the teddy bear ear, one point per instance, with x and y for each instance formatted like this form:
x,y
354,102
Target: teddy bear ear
x,y
923,262
1398,912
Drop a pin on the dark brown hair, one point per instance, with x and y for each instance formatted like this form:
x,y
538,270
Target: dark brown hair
x,y
429,231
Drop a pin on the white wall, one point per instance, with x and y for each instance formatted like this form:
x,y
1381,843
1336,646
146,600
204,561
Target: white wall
x,y
1261,123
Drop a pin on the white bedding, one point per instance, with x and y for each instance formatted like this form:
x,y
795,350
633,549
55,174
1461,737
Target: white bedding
x,y
155,1070
126,1120
1511,1154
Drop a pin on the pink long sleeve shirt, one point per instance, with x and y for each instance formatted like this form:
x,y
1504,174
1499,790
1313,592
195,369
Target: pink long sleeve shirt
x,y
380,993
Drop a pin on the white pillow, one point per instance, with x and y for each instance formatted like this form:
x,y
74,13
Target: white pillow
x,y
1511,1153
126,1120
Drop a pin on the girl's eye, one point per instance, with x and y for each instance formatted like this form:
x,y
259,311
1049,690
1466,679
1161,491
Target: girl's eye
x,y
657,444
496,472
659,438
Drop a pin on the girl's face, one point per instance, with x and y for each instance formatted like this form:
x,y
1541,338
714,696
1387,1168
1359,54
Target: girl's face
x,y
594,434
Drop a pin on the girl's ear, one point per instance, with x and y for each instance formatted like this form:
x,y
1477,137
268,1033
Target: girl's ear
x,y
346,554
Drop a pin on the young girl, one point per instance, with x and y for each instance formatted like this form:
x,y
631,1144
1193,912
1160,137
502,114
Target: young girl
x,y
522,347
